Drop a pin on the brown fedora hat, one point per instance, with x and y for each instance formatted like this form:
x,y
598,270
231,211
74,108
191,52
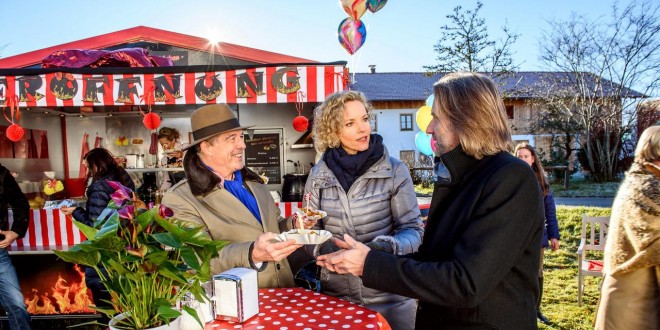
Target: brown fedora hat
x,y
211,120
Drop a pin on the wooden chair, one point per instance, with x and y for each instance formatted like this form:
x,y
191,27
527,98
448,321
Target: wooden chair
x,y
594,233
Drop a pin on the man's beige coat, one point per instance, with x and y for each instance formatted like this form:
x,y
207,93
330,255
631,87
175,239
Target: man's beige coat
x,y
226,218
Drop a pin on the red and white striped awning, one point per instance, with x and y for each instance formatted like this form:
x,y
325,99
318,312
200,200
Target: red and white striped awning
x,y
268,84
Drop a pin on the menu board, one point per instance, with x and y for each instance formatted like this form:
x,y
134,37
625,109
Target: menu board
x,y
263,155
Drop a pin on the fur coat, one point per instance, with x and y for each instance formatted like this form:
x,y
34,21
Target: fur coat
x,y
633,240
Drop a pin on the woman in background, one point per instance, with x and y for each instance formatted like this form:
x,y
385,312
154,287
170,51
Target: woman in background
x,y
630,294
551,227
367,194
173,155
101,169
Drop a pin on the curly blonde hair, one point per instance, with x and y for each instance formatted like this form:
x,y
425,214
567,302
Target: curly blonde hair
x,y
329,115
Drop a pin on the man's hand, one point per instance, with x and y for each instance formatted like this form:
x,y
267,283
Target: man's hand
x,y
554,244
266,249
347,261
10,237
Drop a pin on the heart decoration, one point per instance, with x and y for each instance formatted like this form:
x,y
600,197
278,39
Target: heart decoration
x,y
352,34
375,5
354,8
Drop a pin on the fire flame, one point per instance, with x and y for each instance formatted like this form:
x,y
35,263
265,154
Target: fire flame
x,y
65,299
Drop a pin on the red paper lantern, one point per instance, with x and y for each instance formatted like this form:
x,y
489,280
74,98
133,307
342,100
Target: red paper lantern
x,y
15,132
300,123
151,121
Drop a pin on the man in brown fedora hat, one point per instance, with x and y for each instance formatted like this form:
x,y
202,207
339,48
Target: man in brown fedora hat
x,y
231,201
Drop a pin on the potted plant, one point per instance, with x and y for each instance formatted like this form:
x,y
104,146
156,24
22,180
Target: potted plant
x,y
150,260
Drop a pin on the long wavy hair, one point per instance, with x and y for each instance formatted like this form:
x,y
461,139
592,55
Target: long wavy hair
x,y
536,166
648,145
328,118
474,107
101,164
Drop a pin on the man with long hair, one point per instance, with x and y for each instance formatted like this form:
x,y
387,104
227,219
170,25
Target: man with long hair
x,y
478,263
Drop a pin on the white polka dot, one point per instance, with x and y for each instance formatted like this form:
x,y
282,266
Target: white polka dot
x,y
282,315
261,327
324,298
337,313
280,304
370,326
345,326
261,314
308,308
371,316
273,311
316,312
358,321
268,318
277,323
238,326
333,302
322,325
284,328
326,316
312,301
329,309
304,315
348,317
351,308
289,319
334,321
359,312
287,307
312,320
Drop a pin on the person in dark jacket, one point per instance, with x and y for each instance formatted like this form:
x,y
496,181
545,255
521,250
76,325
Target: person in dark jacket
x,y
366,193
551,229
10,290
102,168
478,263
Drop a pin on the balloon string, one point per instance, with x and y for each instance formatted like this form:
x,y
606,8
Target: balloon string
x,y
300,98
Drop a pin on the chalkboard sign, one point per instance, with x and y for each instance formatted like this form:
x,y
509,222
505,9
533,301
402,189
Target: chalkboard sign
x,y
263,155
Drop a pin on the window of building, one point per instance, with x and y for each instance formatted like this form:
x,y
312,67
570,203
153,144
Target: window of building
x,y
407,157
373,120
406,122
509,111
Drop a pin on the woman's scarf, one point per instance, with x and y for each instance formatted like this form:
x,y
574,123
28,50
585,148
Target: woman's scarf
x,y
236,188
347,168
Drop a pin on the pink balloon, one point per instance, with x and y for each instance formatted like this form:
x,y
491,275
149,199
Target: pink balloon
x,y
432,143
352,34
354,8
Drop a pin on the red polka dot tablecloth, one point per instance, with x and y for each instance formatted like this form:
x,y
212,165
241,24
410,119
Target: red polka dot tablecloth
x,y
297,308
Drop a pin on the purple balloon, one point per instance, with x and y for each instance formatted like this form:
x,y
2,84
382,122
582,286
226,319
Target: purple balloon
x,y
375,5
352,34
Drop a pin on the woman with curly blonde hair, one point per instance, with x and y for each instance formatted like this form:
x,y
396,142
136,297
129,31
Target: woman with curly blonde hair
x,y
365,193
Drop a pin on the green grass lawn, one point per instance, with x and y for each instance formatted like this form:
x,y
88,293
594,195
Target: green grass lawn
x,y
560,291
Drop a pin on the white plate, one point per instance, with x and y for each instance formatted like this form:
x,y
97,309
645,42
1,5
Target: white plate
x,y
318,216
305,236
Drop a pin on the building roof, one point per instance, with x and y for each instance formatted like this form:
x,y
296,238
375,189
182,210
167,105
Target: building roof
x,y
417,86
148,34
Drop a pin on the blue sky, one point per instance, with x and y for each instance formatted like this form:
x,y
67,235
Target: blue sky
x,y
400,37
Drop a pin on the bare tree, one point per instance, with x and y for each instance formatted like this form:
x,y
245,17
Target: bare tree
x,y
464,45
608,65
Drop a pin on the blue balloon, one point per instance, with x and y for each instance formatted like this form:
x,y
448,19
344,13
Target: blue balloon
x,y
429,100
423,143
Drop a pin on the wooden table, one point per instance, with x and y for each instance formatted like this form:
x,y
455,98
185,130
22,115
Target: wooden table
x,y
297,308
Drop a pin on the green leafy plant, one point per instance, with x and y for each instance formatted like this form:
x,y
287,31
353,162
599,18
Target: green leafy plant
x,y
146,259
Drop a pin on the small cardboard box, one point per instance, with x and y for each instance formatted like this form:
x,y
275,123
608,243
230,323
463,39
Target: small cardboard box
x,y
236,294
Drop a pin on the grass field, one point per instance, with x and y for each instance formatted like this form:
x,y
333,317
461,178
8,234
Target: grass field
x,y
560,292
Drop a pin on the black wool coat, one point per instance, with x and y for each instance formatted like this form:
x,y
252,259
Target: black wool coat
x,y
478,263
